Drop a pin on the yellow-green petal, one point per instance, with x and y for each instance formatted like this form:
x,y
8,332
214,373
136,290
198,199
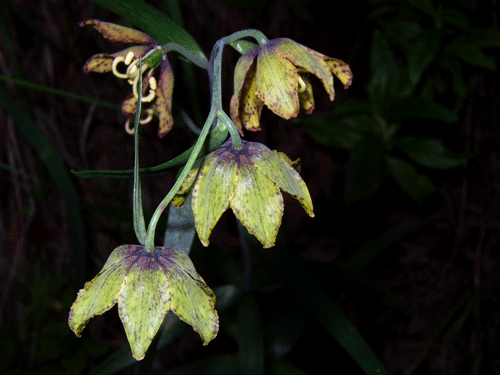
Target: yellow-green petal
x,y
163,102
278,170
100,294
276,80
192,300
117,33
300,55
257,203
251,109
212,191
341,70
144,300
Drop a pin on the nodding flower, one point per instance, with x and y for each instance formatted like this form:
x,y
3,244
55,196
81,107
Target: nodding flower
x,y
276,74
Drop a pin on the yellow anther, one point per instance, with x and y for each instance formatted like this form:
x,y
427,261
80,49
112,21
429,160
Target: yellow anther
x,y
149,117
131,70
302,84
129,58
128,129
114,69
147,98
152,83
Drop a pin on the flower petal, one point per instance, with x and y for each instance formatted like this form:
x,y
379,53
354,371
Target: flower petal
x,y
278,170
252,108
100,294
213,191
144,300
244,76
163,102
192,300
257,202
117,33
300,55
341,70
103,63
276,80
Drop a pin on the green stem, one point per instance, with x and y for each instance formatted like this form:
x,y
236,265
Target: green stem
x,y
138,215
194,58
150,237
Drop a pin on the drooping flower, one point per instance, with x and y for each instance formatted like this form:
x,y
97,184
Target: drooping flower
x,y
248,180
160,94
146,285
275,74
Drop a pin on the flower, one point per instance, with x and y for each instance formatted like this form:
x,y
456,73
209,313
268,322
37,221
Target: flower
x,y
160,94
146,285
248,180
275,74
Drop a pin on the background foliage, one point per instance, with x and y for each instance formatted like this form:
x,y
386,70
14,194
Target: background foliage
x,y
402,256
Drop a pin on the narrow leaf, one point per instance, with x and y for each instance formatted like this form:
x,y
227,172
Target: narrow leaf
x,y
418,186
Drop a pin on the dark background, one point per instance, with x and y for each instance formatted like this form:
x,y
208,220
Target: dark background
x,y
430,297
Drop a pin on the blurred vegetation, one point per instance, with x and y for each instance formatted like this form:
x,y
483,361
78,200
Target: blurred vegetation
x,y
399,268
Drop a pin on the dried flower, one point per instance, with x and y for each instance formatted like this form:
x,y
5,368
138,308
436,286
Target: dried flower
x,y
159,93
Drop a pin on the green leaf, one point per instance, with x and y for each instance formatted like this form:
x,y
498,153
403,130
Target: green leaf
x,y
286,330
423,53
418,186
309,293
416,106
57,170
360,260
250,337
364,167
153,22
430,152
385,80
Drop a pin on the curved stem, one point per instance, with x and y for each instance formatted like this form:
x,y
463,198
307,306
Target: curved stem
x,y
138,215
194,58
150,236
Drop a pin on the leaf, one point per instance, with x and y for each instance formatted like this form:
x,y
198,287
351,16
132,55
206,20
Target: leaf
x,y
250,337
360,260
423,53
430,152
364,167
309,293
180,227
416,106
286,330
385,80
152,22
57,170
418,186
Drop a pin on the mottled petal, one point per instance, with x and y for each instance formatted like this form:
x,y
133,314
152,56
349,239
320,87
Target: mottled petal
x,y
278,170
192,300
252,108
186,188
341,70
117,33
300,56
213,190
144,300
100,294
164,98
244,77
129,106
277,84
257,202
306,96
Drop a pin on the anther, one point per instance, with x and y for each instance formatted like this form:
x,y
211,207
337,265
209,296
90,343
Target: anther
x,y
129,58
302,84
152,83
149,117
114,69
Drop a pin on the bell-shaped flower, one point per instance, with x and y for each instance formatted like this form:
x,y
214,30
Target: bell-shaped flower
x,y
146,285
248,180
276,74
124,64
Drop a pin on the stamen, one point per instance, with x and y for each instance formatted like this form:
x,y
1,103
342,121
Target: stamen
x,y
149,97
302,84
114,69
128,129
152,83
149,112
129,58
151,94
